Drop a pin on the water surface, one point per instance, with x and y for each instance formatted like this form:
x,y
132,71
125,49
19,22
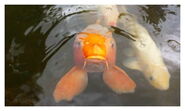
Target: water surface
x,y
38,52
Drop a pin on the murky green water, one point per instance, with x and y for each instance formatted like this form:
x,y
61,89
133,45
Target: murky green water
x,y
38,51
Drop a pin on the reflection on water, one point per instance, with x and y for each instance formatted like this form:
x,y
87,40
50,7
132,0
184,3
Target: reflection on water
x,y
38,52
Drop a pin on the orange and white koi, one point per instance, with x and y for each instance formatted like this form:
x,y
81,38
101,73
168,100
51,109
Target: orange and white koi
x,y
94,51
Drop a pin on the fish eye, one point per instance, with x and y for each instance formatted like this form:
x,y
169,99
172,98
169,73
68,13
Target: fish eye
x,y
151,78
78,43
112,44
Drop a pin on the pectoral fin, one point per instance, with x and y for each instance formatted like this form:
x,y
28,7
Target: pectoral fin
x,y
118,80
131,63
73,83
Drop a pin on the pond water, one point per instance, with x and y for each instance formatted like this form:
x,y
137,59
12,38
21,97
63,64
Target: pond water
x,y
38,52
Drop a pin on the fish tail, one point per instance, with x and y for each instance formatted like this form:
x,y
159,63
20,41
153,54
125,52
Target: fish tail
x,y
110,14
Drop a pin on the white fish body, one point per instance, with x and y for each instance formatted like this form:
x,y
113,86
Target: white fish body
x,y
148,57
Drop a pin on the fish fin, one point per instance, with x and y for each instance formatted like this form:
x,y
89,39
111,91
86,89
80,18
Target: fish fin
x,y
132,63
71,84
118,80
110,14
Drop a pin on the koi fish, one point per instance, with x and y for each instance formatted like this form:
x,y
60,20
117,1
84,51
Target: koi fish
x,y
94,51
144,54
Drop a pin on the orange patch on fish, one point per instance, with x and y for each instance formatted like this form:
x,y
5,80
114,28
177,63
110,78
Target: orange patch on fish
x,y
94,46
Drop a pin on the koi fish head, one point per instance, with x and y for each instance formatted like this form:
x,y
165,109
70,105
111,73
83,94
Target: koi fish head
x,y
94,51
94,46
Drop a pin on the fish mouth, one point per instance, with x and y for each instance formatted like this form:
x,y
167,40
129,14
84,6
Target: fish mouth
x,y
95,64
96,57
95,51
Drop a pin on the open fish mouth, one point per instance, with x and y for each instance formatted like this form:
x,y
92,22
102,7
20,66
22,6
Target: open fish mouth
x,y
96,57
95,64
